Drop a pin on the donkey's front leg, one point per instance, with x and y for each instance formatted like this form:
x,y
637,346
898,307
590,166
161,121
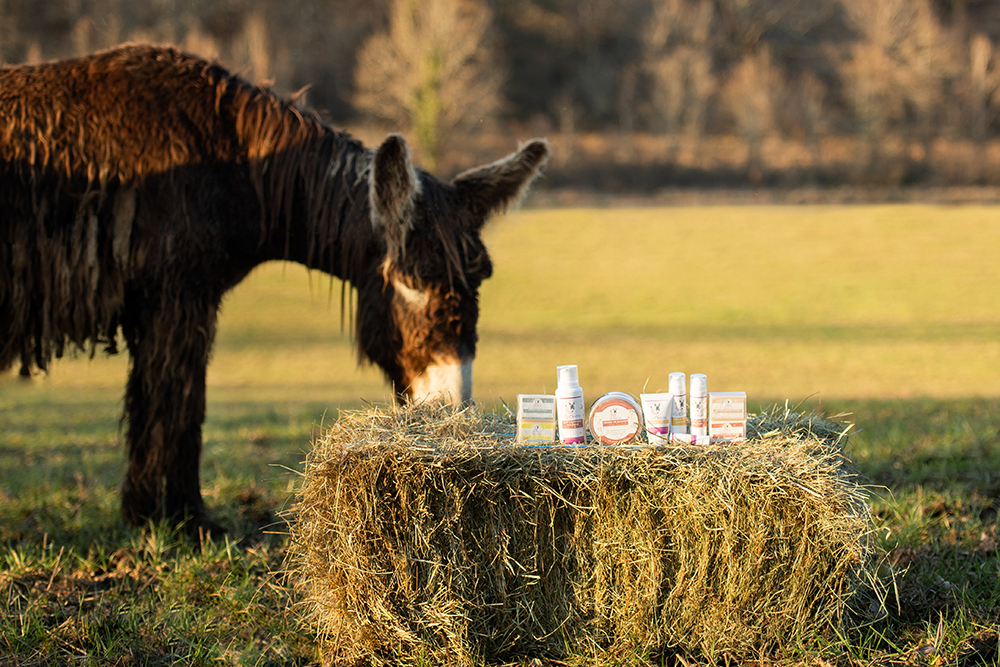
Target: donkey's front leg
x,y
165,409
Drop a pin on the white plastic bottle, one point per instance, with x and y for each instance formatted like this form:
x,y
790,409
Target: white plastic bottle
x,y
569,406
698,400
677,385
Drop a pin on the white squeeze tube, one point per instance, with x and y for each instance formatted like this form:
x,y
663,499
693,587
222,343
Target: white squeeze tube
x,y
698,400
678,423
569,406
657,410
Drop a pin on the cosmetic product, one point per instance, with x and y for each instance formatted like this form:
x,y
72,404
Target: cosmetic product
x,y
657,409
690,439
676,384
727,416
615,419
536,419
698,400
569,406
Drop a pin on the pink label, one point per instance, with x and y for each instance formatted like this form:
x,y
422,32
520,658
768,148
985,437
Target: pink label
x,y
728,431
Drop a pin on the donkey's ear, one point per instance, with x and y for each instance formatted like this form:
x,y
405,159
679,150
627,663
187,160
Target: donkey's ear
x,y
492,188
393,187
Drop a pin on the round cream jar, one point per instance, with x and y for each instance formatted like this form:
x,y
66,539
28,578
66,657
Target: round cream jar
x,y
615,419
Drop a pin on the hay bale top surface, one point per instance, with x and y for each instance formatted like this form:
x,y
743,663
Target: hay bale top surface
x,y
439,430
802,446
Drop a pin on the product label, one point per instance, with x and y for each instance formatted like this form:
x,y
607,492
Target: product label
x,y
617,422
727,406
734,431
537,406
572,425
699,412
680,410
536,433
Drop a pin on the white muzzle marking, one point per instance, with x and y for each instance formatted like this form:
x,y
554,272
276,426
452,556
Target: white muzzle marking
x,y
447,382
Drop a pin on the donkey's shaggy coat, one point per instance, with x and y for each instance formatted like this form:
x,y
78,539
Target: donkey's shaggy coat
x,y
138,185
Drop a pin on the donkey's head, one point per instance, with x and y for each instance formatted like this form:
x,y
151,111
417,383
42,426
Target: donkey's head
x,y
420,325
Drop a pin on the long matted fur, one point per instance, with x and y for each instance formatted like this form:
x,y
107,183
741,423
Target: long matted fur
x,y
139,184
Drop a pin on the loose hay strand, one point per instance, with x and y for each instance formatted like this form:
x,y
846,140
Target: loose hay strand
x,y
426,536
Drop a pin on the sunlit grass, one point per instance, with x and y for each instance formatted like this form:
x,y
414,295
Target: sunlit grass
x,y
783,302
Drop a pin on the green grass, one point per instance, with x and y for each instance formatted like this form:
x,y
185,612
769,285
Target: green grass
x,y
888,313
784,302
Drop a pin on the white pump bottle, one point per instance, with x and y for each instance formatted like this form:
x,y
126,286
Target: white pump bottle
x,y
569,406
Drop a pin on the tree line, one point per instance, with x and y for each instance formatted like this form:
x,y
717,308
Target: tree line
x,y
699,91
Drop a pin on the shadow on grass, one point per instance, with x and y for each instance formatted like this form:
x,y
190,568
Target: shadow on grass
x,y
934,470
949,446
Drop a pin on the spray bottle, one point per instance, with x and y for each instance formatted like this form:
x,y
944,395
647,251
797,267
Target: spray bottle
x,y
569,406
678,422
698,400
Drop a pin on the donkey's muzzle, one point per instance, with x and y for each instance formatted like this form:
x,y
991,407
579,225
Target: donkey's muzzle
x,y
444,381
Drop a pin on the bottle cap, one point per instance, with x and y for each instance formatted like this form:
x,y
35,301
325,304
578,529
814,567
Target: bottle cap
x,y
699,384
677,384
567,376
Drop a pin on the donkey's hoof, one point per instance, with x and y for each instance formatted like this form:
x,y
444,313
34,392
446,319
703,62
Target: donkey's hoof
x,y
202,528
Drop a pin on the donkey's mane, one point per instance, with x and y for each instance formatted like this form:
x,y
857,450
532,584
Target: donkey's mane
x,y
80,140
296,160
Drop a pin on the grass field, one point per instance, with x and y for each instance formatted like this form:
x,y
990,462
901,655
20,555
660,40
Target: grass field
x,y
889,313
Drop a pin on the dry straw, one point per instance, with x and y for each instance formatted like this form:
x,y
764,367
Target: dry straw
x,y
426,537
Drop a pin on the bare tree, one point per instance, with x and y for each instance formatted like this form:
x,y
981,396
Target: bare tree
x,y
745,23
752,93
678,60
252,50
586,49
431,72
900,73
869,75
984,85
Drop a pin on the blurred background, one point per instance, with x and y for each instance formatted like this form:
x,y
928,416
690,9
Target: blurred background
x,y
680,102
639,97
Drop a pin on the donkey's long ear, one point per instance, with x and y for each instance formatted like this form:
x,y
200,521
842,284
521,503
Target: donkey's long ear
x,y
393,187
492,188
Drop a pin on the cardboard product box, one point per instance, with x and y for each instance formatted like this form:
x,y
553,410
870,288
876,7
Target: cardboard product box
x,y
536,419
727,416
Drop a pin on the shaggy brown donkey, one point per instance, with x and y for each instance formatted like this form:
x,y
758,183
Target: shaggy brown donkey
x,y
138,185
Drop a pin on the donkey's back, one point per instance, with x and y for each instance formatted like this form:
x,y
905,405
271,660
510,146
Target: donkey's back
x,y
118,171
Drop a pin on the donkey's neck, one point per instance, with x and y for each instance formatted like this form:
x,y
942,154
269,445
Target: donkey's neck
x,y
315,206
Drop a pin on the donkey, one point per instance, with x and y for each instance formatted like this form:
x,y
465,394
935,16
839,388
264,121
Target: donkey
x,y
138,185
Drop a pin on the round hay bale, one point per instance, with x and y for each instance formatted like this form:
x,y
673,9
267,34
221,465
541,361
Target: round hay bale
x,y
424,536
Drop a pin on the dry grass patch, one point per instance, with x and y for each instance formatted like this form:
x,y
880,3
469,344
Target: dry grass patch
x,y
427,537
